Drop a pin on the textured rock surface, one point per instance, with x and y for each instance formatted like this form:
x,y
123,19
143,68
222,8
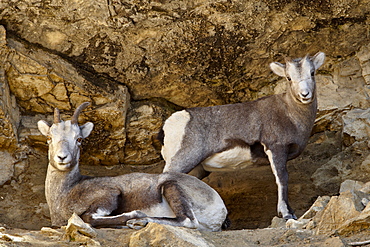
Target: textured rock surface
x,y
158,235
139,61
162,235
346,214
40,82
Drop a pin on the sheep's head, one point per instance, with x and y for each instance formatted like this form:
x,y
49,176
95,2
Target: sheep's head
x,y
64,138
300,74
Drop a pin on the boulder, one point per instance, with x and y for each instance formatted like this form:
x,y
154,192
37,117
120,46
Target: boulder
x,y
339,210
346,214
79,231
156,235
359,224
356,124
351,185
318,206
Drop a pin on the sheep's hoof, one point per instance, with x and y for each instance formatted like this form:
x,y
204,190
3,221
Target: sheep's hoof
x,y
137,224
290,216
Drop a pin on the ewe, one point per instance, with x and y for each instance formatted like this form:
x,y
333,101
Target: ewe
x,y
272,129
134,199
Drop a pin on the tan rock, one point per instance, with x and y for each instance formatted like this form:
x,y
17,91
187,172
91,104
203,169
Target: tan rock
x,y
366,188
339,209
54,102
356,123
106,143
351,185
24,65
77,98
297,224
79,231
302,23
60,92
36,105
365,165
359,224
27,86
364,57
333,241
11,238
278,222
318,206
2,37
144,122
156,235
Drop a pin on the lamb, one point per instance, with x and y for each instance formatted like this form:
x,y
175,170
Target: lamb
x,y
271,129
133,199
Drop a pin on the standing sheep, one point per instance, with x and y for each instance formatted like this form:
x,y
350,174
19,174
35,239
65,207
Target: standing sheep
x,y
271,129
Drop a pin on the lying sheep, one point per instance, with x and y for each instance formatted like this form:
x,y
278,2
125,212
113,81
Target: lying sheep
x,y
134,199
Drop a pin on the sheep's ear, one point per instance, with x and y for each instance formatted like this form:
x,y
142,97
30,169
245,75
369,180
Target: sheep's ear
x,y
44,127
278,68
86,129
318,59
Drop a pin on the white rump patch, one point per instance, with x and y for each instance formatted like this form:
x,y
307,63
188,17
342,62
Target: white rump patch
x,y
174,131
212,217
162,209
229,160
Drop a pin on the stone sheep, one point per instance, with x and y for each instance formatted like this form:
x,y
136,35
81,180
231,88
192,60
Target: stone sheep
x,y
133,199
271,129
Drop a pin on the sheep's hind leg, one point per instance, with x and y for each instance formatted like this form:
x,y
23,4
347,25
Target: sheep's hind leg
x,y
183,162
180,206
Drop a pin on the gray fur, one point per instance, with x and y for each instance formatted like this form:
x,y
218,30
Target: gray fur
x,y
277,125
133,199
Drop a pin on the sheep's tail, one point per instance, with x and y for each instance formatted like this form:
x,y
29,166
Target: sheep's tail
x,y
226,224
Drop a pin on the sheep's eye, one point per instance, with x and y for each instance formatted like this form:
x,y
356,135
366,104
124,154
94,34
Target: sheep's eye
x,y
312,73
48,139
288,78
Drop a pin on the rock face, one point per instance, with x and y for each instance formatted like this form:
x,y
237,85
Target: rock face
x,y
139,61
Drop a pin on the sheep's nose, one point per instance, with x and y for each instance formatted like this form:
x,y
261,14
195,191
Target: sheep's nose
x,y
62,157
305,94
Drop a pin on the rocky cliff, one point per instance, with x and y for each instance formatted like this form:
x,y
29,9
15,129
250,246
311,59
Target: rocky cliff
x,y
138,61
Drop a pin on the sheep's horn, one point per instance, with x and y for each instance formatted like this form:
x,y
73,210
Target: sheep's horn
x,y
77,112
56,115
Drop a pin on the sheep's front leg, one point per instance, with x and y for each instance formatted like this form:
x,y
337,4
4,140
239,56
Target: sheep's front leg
x,y
278,158
102,219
